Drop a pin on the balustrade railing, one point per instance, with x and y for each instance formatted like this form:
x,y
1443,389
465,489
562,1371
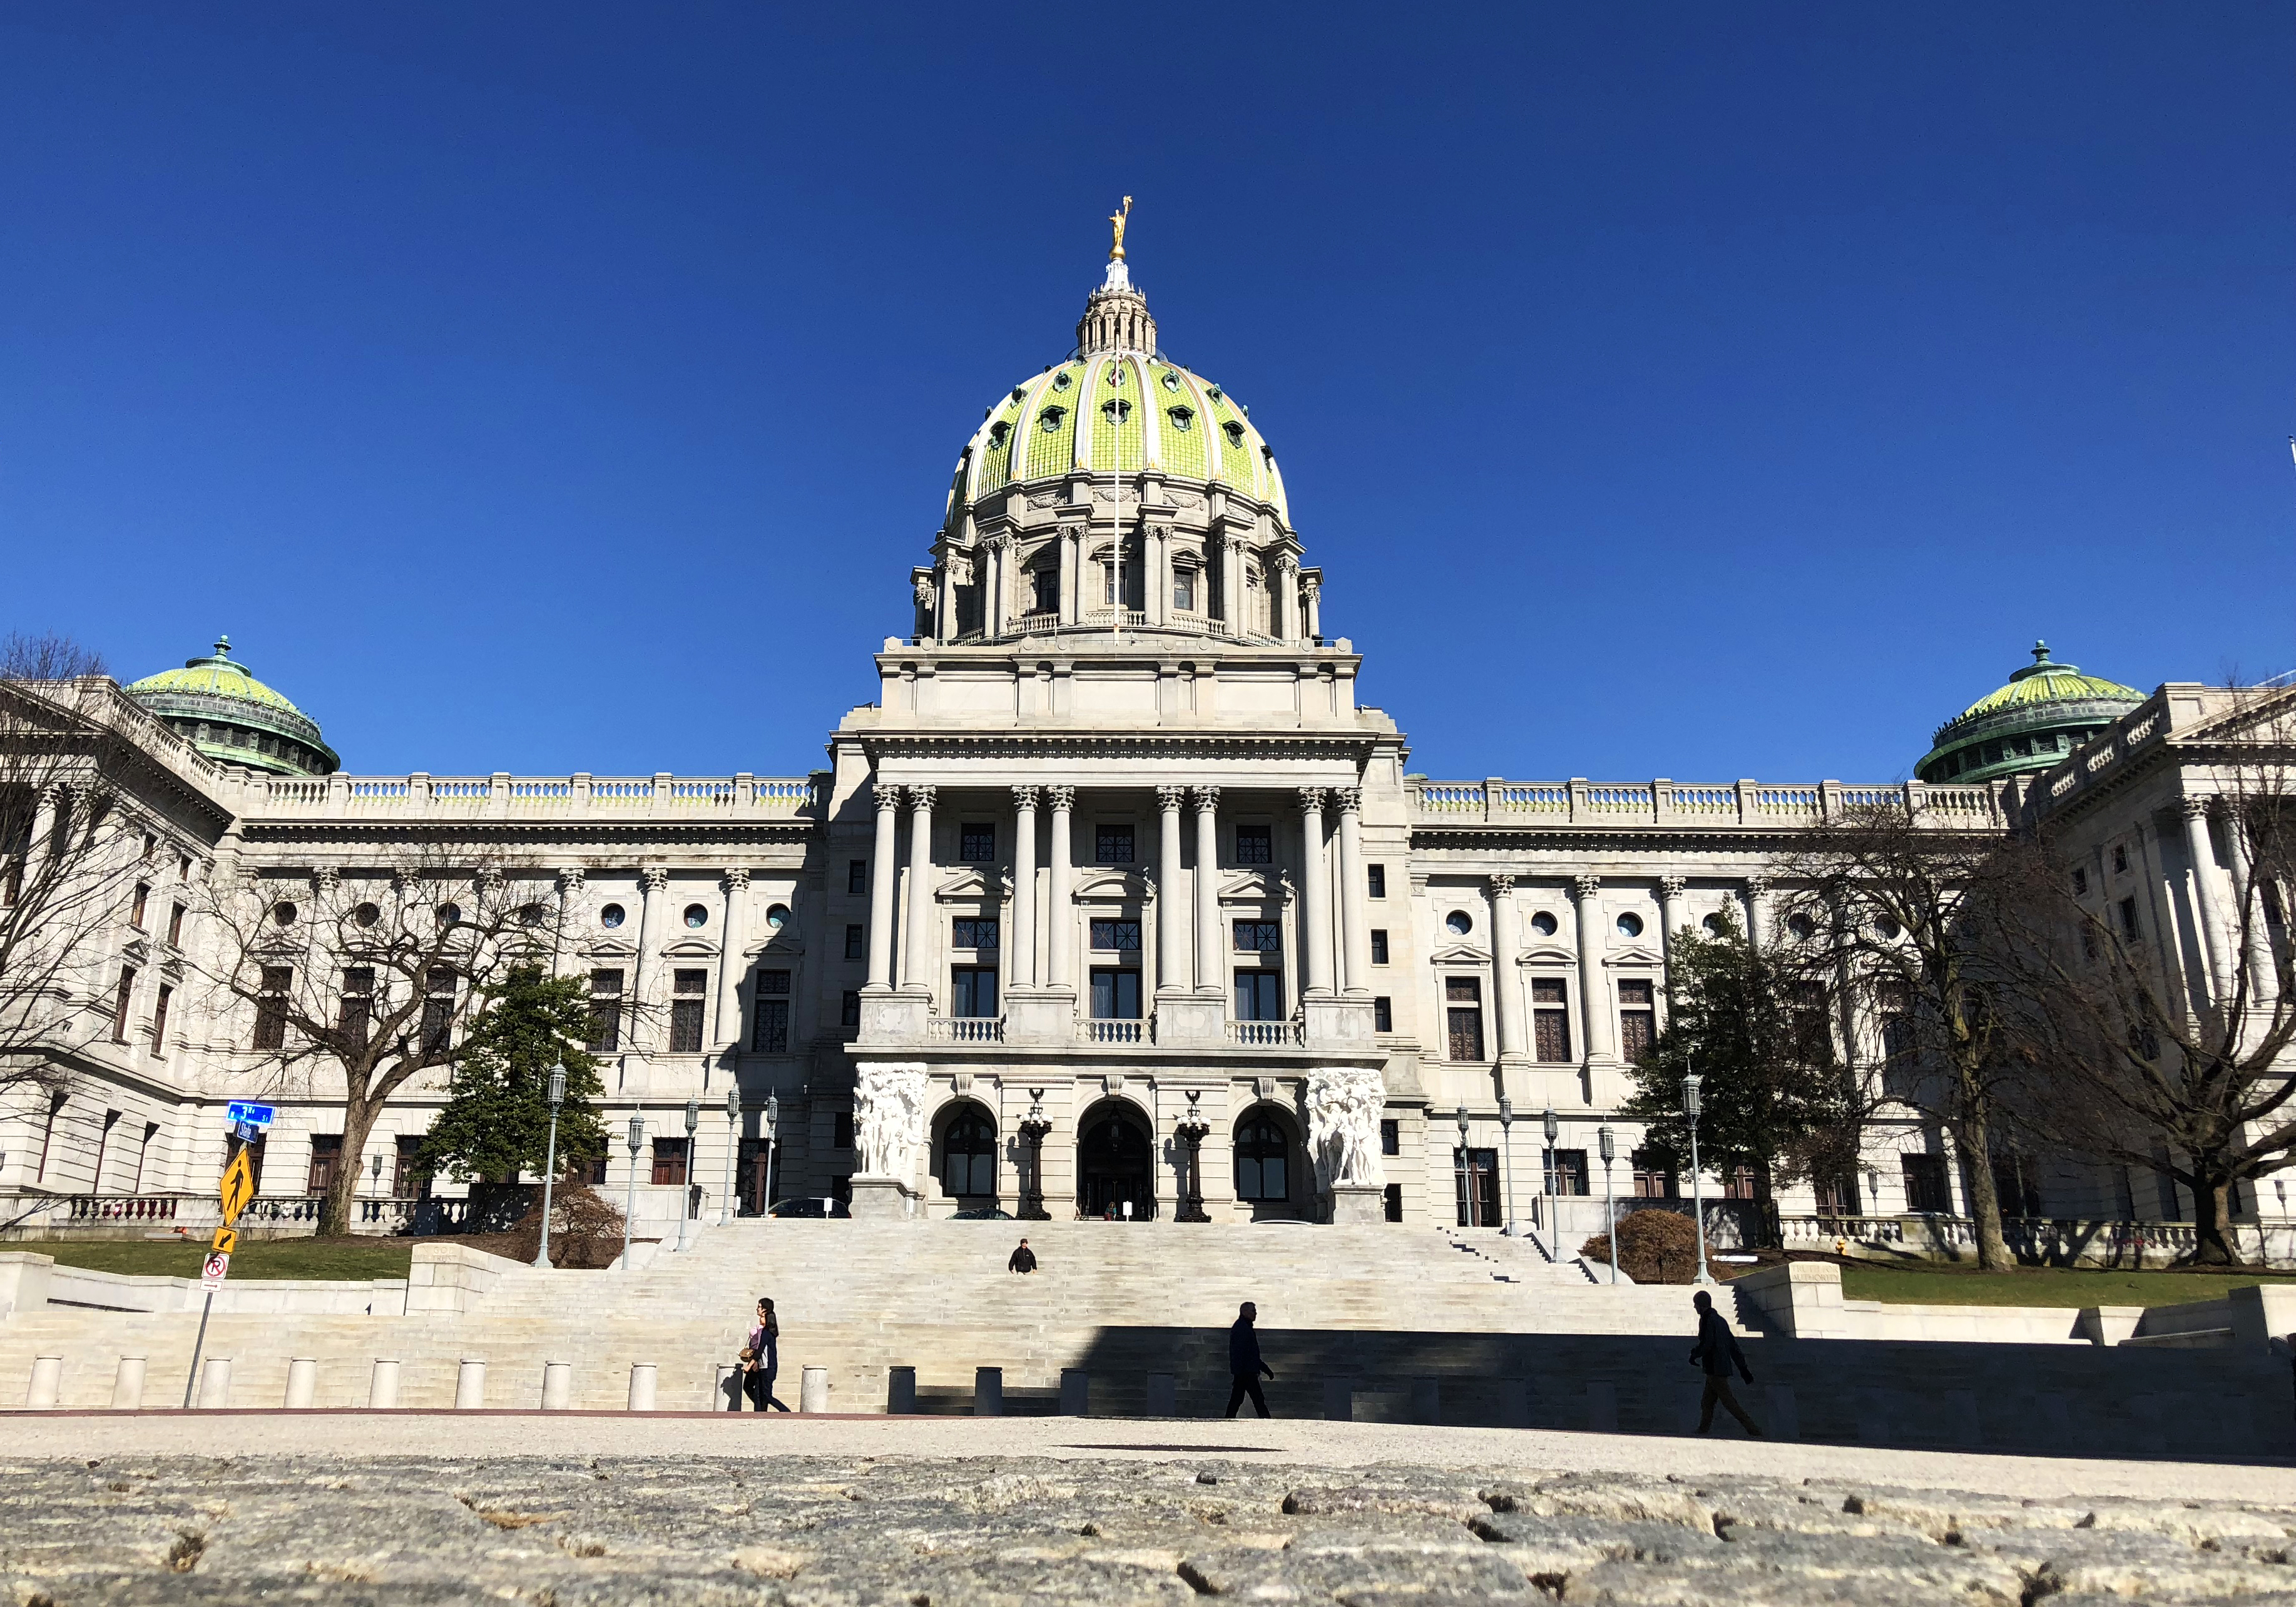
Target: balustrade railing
x,y
529,797
1704,804
1113,1032
965,1028
1264,1035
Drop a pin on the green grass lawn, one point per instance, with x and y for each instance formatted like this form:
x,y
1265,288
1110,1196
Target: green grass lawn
x,y
356,1259
1940,1285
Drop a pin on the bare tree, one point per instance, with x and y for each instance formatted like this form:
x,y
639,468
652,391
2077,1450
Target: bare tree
x,y
353,986
2189,1082
1907,911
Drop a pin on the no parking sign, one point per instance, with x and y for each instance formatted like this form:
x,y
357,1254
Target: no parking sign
x,y
212,1272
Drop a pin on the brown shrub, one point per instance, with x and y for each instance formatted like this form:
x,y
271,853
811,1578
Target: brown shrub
x,y
584,1231
1654,1247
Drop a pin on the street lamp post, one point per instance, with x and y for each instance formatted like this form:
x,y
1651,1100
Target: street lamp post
x,y
638,1142
686,1179
1033,1128
1468,1204
1506,1158
1553,1129
550,1162
1690,1107
772,1127
733,1149
1609,1146
1190,1130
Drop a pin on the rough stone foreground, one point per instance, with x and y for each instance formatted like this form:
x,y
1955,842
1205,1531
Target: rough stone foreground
x,y
1162,1515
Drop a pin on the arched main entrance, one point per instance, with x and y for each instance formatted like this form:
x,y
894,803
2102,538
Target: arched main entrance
x,y
1115,1163
1268,1163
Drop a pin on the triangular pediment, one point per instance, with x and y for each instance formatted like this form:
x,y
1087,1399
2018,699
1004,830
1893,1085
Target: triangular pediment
x,y
608,948
1257,887
783,942
974,884
1460,953
1634,953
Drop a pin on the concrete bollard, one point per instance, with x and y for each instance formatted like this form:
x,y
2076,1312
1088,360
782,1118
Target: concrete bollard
x,y
1603,1408
813,1390
901,1392
470,1385
557,1386
1164,1395
725,1392
1426,1400
128,1385
1339,1399
215,1383
383,1386
1076,1392
302,1383
1514,1403
988,1391
47,1383
1785,1416
641,1386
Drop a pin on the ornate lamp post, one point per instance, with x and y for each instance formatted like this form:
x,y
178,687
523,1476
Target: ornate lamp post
x,y
1610,1146
1506,1154
685,1181
1553,1130
1690,1107
638,1142
772,1128
1467,1200
733,1148
1033,1128
1190,1131
550,1164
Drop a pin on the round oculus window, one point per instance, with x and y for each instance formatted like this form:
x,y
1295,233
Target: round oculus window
x,y
1543,923
1459,922
778,917
284,913
612,916
1887,926
696,917
366,914
448,913
1802,926
1630,925
1715,925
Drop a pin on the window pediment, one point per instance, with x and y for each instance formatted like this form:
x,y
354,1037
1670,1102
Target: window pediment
x,y
608,948
1114,886
1634,953
1460,953
974,884
1547,954
1257,887
690,948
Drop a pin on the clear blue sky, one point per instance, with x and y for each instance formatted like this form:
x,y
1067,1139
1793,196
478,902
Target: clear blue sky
x,y
1737,390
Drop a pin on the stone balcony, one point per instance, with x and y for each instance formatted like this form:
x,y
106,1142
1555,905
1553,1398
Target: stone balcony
x,y
1699,806
901,1023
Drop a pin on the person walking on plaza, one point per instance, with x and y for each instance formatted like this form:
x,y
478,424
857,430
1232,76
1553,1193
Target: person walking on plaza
x,y
1716,1352
1024,1259
1244,1365
761,1358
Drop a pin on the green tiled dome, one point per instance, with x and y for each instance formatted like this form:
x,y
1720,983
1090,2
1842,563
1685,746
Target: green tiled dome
x,y
233,718
2045,712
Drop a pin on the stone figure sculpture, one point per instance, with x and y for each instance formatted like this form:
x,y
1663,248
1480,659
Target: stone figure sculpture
x,y
888,1117
1343,1107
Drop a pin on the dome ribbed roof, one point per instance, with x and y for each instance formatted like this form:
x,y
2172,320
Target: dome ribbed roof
x,y
233,718
2043,713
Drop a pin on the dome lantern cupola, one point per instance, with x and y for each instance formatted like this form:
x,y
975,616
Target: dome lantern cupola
x,y
2044,711
233,718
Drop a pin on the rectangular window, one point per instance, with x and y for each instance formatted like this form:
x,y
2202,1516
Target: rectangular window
x,y
2080,883
1655,1177
857,876
976,841
121,1006
160,1019
1115,993
1111,843
1391,1139
848,1008
326,1159
2129,920
606,1011
966,931
409,1177
769,1033
151,847
1254,845
1464,1012
1045,585
1926,1194
1475,1174
1379,946
841,1130
175,926
356,1014
438,1011
1550,1020
1566,1171
1382,1014
1184,590
1118,937
973,990
1259,937
136,911
670,1160
774,983
1742,1183
1637,1017
1376,875
688,991
2120,859
271,1007
1259,995
856,942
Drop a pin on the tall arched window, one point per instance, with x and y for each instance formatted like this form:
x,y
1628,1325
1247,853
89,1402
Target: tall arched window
x,y
1262,1161
967,1158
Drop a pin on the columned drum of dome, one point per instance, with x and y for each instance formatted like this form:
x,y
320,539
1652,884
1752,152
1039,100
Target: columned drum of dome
x,y
231,718
2045,712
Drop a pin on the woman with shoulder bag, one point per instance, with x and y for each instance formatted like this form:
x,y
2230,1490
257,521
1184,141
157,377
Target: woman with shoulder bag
x,y
761,1359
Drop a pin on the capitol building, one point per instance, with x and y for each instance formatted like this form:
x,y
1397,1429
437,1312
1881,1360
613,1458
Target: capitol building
x,y
1117,900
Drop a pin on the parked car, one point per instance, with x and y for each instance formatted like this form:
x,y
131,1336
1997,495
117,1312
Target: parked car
x,y
815,1206
982,1213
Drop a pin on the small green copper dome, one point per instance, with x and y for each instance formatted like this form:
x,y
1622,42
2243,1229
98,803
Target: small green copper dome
x,y
2045,712
233,718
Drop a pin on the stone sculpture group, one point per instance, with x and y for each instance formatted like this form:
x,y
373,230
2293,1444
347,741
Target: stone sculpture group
x,y
1343,1110
888,1117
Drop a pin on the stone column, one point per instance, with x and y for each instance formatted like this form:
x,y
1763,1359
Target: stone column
x,y
1313,590
1506,976
1316,905
1211,971
1020,942
730,966
1282,589
1071,582
917,934
1355,929
945,623
1172,970
2208,908
1060,912
2263,981
652,880
1232,583
1671,919
1594,1003
1757,915
1158,591
888,799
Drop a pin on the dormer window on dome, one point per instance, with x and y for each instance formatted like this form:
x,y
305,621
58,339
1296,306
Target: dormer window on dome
x,y
997,432
1235,432
1049,420
1182,418
1116,410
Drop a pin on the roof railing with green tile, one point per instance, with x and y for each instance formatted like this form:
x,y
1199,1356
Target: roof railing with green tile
x,y
1700,806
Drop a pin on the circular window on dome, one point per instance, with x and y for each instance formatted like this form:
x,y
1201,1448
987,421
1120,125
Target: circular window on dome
x,y
696,917
1459,922
1630,925
778,917
1715,926
1116,375
1049,420
366,914
1060,380
1171,380
448,913
1802,926
284,913
1543,923
612,916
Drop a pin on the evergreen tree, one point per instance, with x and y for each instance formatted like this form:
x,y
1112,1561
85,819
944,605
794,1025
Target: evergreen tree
x,y
497,1120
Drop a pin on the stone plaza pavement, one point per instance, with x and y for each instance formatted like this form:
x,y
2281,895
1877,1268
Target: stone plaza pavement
x,y
357,1508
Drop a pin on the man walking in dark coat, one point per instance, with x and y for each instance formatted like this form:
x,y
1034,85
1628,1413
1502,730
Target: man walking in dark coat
x,y
1716,1352
1024,1259
1244,1365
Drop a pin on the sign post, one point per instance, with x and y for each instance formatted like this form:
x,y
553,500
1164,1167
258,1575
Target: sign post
x,y
234,1191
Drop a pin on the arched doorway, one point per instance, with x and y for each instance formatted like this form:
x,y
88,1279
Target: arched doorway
x,y
1115,1163
1267,1163
968,1154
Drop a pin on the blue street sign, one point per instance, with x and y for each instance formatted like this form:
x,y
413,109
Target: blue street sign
x,y
246,1132
241,1111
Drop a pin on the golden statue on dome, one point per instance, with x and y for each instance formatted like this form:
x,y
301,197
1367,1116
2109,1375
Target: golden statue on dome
x,y
1118,218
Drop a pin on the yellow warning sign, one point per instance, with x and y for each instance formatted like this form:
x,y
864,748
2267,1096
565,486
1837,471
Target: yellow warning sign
x,y
238,1187
227,1241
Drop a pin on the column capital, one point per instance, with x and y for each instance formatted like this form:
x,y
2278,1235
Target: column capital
x,y
1025,797
1755,886
1503,884
1671,887
2192,808
1206,799
1349,799
570,881
653,878
327,878
888,796
1586,887
736,878
1061,799
1168,799
921,798
1311,800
